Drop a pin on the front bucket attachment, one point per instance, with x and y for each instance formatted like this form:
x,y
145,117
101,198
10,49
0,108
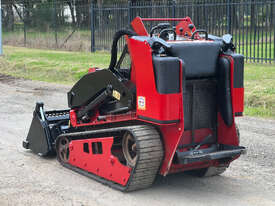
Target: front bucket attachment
x,y
44,129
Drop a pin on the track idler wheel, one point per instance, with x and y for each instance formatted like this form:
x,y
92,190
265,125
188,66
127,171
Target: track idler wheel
x,y
129,148
62,149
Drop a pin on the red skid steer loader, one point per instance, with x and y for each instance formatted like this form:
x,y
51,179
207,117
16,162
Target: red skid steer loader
x,y
171,108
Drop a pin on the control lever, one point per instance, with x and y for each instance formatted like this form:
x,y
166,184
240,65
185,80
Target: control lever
x,y
227,38
160,26
191,27
204,141
200,31
228,42
164,25
159,45
164,34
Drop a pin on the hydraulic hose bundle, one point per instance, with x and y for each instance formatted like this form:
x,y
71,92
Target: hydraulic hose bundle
x,y
116,38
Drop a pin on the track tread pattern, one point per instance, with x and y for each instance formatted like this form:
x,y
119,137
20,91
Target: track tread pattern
x,y
150,152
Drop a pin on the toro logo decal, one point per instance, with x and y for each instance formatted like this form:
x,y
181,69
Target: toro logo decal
x,y
141,103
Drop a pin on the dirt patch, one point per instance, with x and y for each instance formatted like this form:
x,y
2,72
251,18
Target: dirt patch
x,y
7,78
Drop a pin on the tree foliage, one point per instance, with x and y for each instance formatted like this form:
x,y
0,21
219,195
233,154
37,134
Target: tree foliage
x,y
47,14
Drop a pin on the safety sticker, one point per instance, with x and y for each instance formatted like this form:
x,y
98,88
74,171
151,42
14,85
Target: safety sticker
x,y
116,94
141,103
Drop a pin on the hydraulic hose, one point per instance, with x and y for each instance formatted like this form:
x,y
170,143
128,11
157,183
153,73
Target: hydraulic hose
x,y
117,36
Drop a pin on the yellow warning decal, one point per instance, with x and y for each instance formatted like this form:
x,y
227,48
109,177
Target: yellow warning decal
x,y
116,94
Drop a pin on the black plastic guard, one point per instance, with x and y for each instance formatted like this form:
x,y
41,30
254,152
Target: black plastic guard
x,y
39,139
212,153
167,70
92,84
224,91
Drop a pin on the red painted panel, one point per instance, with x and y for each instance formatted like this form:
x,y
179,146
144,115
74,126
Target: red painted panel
x,y
227,134
92,70
238,93
133,71
164,19
184,25
139,27
232,83
172,134
73,118
163,107
107,119
104,165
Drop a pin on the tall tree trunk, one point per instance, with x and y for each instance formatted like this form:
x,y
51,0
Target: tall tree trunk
x,y
78,13
18,12
71,7
253,14
28,5
10,18
86,13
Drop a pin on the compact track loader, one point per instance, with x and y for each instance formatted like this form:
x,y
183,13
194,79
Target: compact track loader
x,y
171,109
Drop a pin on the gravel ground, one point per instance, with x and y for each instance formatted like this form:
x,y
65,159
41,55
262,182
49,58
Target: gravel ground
x,y
26,179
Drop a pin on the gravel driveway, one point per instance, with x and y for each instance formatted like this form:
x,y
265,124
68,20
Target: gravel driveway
x,y
26,179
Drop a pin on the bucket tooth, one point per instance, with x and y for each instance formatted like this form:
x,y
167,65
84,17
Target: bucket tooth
x,y
26,144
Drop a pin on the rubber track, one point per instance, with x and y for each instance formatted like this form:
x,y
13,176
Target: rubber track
x,y
149,150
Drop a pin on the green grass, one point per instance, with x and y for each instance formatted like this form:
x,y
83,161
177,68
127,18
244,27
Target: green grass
x,y
51,66
260,51
260,90
68,67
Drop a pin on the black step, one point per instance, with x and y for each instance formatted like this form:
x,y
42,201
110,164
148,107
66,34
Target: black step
x,y
212,153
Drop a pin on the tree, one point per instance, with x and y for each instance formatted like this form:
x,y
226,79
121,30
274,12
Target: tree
x,y
8,15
